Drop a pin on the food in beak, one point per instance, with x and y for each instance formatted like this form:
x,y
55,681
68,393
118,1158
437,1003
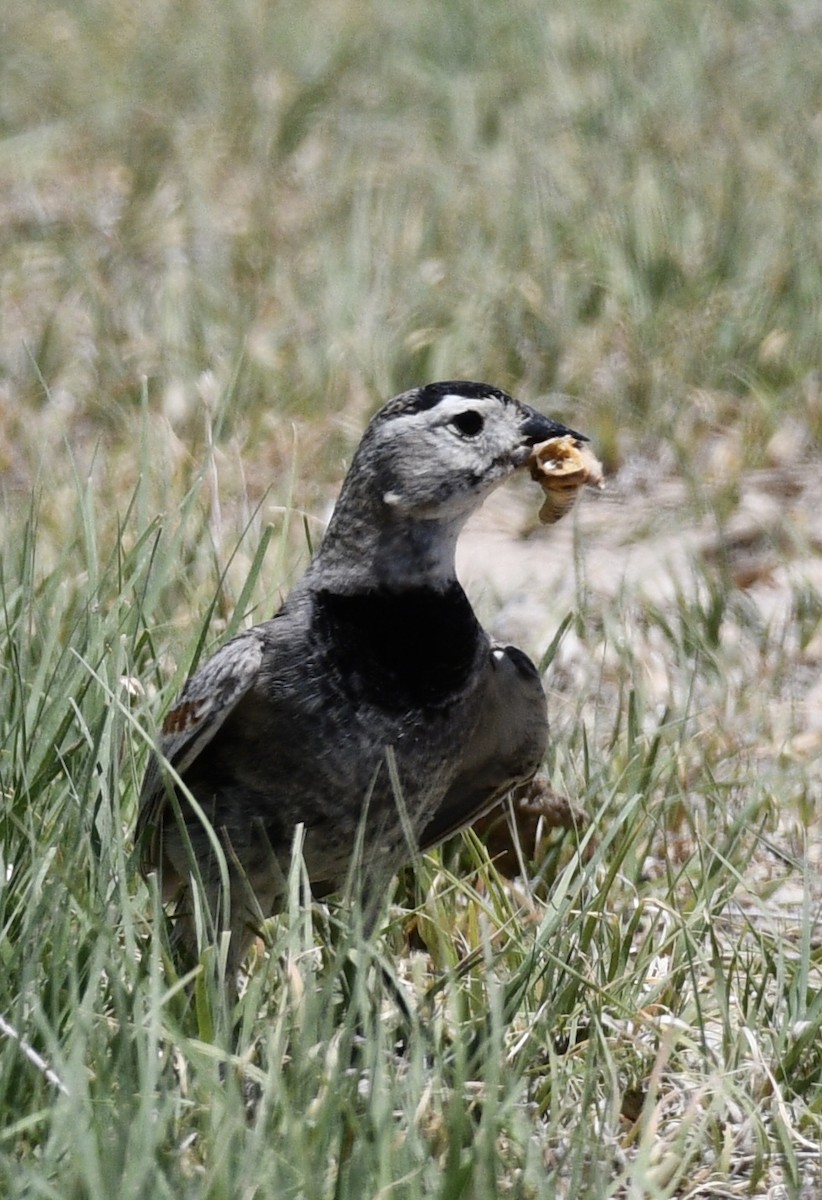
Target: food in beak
x,y
562,466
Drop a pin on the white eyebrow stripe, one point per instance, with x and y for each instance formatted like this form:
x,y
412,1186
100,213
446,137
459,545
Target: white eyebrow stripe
x,y
453,403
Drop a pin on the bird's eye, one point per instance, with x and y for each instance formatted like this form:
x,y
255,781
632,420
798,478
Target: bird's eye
x,y
468,423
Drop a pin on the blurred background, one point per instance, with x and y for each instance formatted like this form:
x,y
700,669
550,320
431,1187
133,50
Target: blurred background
x,y
287,212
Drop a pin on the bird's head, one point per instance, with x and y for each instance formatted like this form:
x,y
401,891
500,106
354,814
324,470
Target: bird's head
x,y
435,452
427,460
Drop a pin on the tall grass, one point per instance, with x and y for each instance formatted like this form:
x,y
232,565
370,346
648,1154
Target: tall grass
x,y
226,232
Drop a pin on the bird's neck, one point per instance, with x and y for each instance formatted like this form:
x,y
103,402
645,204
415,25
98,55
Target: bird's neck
x,y
358,554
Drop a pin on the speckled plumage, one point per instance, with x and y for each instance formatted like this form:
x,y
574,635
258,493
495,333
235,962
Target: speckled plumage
x,y
374,678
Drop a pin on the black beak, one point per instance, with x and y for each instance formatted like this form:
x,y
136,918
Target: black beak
x,y
536,428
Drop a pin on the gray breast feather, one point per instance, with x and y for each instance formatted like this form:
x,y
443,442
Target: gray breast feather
x,y
505,748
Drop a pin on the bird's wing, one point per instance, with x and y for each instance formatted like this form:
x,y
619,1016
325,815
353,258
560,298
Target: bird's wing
x,y
207,700
505,748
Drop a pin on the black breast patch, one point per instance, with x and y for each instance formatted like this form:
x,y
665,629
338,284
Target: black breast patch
x,y
414,648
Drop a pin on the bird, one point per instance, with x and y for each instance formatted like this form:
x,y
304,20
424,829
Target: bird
x,y
373,711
